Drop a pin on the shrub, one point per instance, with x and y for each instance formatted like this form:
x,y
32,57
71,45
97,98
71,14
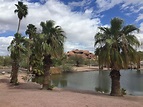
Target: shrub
x,y
67,68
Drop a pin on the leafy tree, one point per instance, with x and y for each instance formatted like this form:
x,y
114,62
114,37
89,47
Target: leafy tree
x,y
77,60
22,11
115,47
52,46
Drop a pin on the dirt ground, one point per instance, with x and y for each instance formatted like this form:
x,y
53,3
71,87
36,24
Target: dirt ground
x,y
28,94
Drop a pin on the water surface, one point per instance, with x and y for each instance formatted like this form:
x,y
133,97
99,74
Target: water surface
x,y
131,80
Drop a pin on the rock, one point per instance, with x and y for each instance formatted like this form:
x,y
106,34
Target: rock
x,y
3,72
84,53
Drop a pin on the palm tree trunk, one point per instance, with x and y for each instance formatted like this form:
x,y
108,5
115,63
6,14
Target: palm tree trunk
x,y
115,87
47,80
18,25
14,73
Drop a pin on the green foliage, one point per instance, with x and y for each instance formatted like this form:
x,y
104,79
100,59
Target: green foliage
x,y
123,91
115,45
76,60
53,39
90,62
38,72
56,61
22,11
17,47
5,61
38,79
50,87
66,68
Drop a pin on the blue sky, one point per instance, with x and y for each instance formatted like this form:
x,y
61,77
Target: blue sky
x,y
80,19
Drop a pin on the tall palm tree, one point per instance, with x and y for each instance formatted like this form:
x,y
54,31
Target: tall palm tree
x,y
17,45
52,46
36,57
22,11
116,49
16,48
31,31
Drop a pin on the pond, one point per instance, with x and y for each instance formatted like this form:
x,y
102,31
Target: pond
x,y
131,81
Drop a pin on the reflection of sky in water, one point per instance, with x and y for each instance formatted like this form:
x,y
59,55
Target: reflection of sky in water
x,y
131,80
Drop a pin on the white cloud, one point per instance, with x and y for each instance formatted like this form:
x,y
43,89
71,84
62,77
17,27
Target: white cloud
x,y
140,38
4,43
141,27
79,28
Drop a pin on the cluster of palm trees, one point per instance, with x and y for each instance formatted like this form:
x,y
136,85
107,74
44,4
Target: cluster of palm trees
x,y
115,47
39,47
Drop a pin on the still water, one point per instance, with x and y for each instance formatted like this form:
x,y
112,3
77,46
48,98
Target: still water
x,y
131,81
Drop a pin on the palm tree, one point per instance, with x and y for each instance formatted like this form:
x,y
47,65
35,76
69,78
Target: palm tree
x,y
16,48
116,49
22,11
36,57
31,31
52,46
17,45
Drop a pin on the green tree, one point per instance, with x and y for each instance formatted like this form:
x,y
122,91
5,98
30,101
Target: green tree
x,y
16,48
22,11
52,46
77,60
116,49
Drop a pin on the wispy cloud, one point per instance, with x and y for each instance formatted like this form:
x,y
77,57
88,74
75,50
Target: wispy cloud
x,y
140,17
132,6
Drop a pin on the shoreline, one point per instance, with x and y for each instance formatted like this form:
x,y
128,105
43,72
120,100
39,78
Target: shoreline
x,y
76,69
29,94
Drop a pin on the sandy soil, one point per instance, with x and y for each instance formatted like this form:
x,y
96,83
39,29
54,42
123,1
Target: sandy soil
x,y
28,94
